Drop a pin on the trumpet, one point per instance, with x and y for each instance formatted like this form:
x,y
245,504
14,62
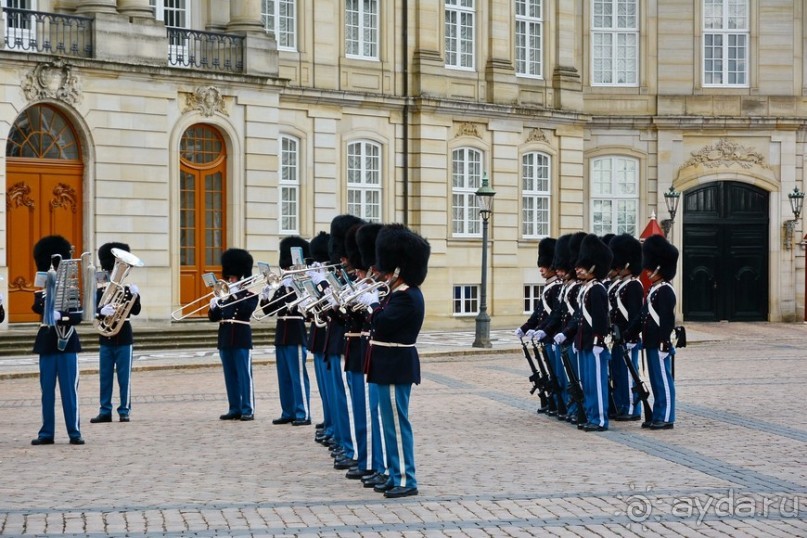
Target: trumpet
x,y
222,290
115,294
365,285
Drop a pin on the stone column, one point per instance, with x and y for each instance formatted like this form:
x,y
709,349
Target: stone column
x,y
65,6
218,13
499,71
428,64
135,8
566,80
245,16
89,7
260,48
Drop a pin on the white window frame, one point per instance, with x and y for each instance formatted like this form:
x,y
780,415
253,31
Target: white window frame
x,y
465,299
615,43
536,190
460,48
466,177
289,185
726,32
614,182
532,297
364,180
27,35
529,33
273,12
183,10
362,29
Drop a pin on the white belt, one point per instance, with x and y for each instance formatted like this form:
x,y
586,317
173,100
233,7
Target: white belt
x,y
353,335
389,344
290,317
234,321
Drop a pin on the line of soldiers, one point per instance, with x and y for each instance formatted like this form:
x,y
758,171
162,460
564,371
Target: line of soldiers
x,y
358,309
591,322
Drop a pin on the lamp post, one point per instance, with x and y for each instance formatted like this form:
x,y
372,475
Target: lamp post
x,y
485,197
796,203
671,199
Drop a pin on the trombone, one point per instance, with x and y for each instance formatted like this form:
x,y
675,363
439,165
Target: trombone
x,y
222,290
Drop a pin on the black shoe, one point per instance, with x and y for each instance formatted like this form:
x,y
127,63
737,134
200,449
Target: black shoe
x,y
662,426
247,417
304,422
594,428
320,426
76,441
399,491
551,413
231,416
344,463
42,441
542,410
374,481
381,488
358,473
101,418
321,439
627,418
283,420
646,424
561,416
124,418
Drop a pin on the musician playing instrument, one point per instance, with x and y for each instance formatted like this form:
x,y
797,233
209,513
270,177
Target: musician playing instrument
x,y
235,334
116,350
57,352
317,343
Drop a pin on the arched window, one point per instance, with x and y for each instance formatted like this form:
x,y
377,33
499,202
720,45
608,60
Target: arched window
x,y
614,195
41,132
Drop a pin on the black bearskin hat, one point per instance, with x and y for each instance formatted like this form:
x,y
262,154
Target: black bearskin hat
x,y
339,227
48,246
319,247
105,256
627,251
574,247
236,262
365,238
286,243
399,247
659,253
560,260
594,253
546,251
352,248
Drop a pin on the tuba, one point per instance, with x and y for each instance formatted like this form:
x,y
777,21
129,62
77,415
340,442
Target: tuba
x,y
115,294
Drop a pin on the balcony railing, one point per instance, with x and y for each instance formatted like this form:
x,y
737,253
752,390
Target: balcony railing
x,y
205,50
51,33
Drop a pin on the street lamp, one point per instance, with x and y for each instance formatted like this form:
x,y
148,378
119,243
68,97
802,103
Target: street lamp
x,y
796,203
485,197
671,198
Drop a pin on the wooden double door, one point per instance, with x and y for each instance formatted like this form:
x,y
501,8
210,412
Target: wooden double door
x,y
725,253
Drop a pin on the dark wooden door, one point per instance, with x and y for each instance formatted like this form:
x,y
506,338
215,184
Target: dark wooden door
x,y
725,260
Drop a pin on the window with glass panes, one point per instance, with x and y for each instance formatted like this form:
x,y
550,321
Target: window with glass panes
x,y
289,184
459,33
364,180
361,28
466,178
529,38
532,297
535,174
280,18
615,42
175,13
614,195
725,42
466,299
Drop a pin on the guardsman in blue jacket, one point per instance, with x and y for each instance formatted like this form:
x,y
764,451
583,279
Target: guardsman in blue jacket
x,y
316,345
593,264
392,363
233,315
57,344
115,351
290,340
626,296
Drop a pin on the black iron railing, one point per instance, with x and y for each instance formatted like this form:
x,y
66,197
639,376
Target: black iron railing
x,y
205,50
51,33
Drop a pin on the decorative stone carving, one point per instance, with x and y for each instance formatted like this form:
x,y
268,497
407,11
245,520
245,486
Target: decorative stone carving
x,y
20,284
64,196
537,135
725,153
207,100
467,129
19,195
52,80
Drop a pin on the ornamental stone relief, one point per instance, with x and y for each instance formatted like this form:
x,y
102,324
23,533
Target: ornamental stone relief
x,y
537,135
467,129
207,100
19,195
725,153
52,80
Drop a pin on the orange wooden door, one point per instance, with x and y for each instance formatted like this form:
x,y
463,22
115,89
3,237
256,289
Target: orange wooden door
x,y
43,197
202,217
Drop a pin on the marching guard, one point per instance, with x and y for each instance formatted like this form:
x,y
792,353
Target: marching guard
x,y
317,344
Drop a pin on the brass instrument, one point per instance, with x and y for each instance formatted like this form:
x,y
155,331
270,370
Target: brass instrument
x,y
222,290
365,285
115,294
63,293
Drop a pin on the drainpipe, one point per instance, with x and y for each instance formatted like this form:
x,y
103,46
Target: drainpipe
x,y
405,149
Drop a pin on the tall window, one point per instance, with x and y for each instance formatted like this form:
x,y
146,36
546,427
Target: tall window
x,y
361,28
460,27
725,42
18,25
466,178
535,174
532,297
615,43
614,195
175,13
280,18
466,299
289,185
364,180
529,38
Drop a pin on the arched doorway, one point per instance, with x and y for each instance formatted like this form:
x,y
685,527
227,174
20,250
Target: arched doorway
x,y
44,172
202,203
725,259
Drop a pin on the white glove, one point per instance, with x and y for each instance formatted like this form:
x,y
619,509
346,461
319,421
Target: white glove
x,y
266,293
630,345
539,335
57,315
530,334
368,298
214,303
519,333
597,350
287,282
134,289
560,338
1,298
315,273
107,310
574,349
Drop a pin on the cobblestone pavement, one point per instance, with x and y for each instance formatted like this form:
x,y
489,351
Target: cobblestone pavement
x,y
488,465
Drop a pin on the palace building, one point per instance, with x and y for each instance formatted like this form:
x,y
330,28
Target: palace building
x,y
185,127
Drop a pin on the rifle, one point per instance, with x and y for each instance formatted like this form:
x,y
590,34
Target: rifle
x,y
552,386
575,388
639,388
537,381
